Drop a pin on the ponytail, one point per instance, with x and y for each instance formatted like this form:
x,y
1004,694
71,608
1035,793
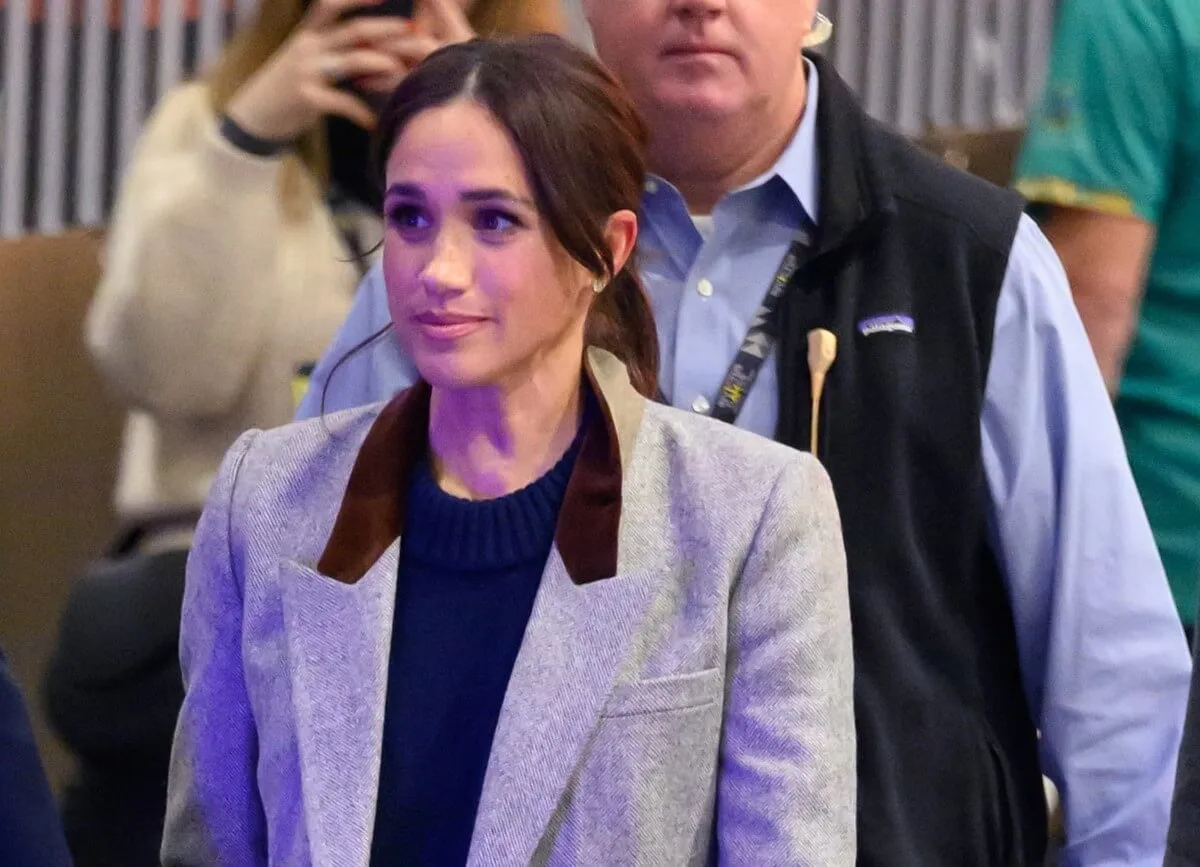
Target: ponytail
x,y
622,322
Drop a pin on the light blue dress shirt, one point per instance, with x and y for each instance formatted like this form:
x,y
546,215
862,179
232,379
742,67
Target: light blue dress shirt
x,y
1103,658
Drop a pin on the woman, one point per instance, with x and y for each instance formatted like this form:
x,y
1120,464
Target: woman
x,y
233,254
520,614
240,229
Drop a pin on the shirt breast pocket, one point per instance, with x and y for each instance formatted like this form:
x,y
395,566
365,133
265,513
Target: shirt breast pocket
x,y
665,694
645,790
883,360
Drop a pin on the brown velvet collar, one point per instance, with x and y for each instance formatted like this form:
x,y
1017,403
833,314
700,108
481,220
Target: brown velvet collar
x,y
372,512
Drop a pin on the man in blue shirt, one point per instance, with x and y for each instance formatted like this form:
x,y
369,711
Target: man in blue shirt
x,y
754,146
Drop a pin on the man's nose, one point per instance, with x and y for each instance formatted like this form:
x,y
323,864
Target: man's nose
x,y
698,8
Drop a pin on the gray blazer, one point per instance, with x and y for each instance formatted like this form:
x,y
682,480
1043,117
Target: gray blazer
x,y
682,696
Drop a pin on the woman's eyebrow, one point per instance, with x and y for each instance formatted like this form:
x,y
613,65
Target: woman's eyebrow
x,y
490,194
480,194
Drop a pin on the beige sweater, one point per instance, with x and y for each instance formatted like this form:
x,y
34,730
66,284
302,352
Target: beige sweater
x,y
212,294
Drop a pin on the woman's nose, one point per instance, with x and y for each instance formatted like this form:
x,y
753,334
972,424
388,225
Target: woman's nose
x,y
449,269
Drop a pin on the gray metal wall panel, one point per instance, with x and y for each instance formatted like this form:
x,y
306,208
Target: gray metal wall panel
x,y
970,63
52,140
18,100
132,106
912,83
170,45
91,142
212,32
1008,96
1038,31
883,56
847,54
973,62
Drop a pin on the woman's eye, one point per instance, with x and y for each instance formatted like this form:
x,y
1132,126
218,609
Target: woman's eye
x,y
493,221
408,217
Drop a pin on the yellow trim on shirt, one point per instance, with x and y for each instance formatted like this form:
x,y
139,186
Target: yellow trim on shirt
x,y
299,388
1056,191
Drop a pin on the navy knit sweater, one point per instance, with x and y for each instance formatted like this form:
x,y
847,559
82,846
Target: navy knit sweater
x,y
469,572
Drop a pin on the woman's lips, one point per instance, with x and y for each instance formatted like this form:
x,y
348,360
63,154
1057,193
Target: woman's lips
x,y
447,326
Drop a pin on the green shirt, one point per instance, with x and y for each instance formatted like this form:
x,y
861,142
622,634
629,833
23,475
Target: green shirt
x,y
1118,131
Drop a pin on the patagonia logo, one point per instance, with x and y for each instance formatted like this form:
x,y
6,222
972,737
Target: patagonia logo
x,y
885,323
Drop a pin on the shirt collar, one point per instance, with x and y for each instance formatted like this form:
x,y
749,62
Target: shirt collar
x,y
796,166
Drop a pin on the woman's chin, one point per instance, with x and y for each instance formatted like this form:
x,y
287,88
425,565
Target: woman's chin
x,y
449,372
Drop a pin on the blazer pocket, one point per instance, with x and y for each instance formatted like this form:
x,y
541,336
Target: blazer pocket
x,y
665,694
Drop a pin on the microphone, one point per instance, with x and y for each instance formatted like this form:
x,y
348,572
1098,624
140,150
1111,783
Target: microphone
x,y
822,351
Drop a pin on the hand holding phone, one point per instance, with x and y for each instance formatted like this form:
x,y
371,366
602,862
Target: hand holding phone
x,y
435,24
302,81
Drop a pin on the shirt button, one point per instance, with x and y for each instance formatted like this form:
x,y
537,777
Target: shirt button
x,y
705,288
651,187
701,405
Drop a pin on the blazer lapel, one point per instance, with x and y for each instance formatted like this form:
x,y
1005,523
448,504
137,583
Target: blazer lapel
x,y
339,637
338,617
584,619
577,638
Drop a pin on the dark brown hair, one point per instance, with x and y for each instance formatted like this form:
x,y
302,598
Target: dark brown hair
x,y
583,146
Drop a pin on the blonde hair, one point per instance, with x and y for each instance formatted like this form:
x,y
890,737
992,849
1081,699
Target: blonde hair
x,y
515,17
274,23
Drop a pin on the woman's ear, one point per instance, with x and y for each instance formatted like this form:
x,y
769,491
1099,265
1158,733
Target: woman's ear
x,y
621,233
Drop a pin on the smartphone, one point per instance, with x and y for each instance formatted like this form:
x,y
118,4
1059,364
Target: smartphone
x,y
383,9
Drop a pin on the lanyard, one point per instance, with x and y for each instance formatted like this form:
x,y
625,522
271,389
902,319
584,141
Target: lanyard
x,y
761,336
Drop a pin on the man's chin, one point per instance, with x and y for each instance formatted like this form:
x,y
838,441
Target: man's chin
x,y
699,105
711,100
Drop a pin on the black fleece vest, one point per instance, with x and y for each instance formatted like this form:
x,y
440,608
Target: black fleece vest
x,y
947,751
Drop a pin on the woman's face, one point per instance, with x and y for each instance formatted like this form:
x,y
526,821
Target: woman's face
x,y
480,291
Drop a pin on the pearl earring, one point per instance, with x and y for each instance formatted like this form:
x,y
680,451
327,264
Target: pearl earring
x,y
598,285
